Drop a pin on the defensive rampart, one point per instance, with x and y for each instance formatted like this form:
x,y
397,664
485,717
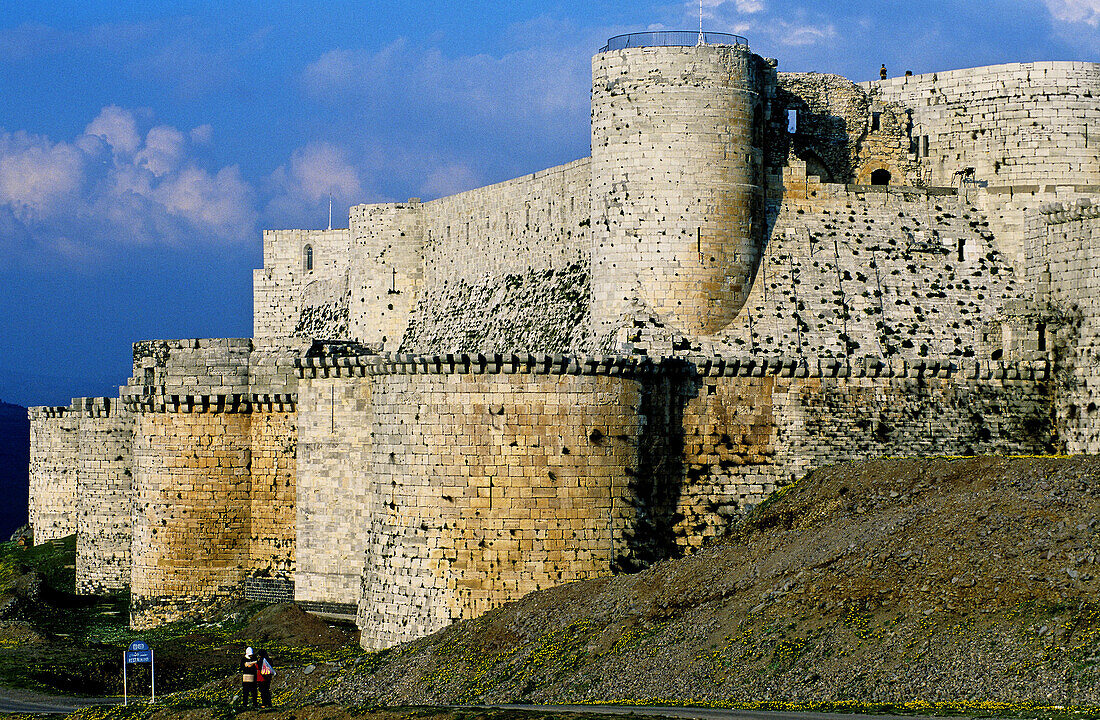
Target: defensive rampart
x,y
1012,124
453,484
417,433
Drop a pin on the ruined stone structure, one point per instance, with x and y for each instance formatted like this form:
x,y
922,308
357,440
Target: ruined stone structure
x,y
452,403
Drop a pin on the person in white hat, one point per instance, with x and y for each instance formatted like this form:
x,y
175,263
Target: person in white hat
x,y
249,664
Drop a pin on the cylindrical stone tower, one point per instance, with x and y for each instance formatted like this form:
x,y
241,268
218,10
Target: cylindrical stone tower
x,y
677,190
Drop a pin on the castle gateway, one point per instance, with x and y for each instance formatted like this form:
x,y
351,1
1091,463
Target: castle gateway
x,y
452,403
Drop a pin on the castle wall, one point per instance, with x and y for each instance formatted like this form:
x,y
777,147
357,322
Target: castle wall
x,y
191,475
489,270
465,483
334,504
191,525
272,498
676,184
1064,242
885,274
751,425
387,270
290,301
54,462
104,485
841,132
1019,123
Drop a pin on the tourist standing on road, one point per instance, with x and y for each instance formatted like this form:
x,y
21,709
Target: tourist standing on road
x,y
249,667
265,671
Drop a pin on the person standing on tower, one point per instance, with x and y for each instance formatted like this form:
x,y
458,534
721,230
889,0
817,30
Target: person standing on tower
x,y
882,71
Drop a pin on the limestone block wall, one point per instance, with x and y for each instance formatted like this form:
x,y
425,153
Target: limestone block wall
x,y
841,131
1013,124
54,463
386,271
104,485
272,491
506,267
750,425
489,270
463,482
192,510
333,502
677,176
887,274
292,301
189,372
1063,247
271,373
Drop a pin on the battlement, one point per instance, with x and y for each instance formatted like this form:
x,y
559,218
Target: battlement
x,y
1057,213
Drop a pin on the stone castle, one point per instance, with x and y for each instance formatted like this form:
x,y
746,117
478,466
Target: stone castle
x,y
452,403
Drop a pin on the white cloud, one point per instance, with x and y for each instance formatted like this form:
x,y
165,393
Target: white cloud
x,y
117,183
302,187
116,127
747,7
1075,11
163,151
220,202
36,174
801,35
448,180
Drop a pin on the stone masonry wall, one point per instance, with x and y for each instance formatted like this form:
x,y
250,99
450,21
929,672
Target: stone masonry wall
x,y
848,272
465,482
677,184
104,485
750,425
1017,123
192,506
1063,247
291,301
387,270
506,267
334,505
841,131
489,270
54,464
272,492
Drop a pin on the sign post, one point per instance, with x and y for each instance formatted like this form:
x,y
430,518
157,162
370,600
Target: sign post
x,y
138,652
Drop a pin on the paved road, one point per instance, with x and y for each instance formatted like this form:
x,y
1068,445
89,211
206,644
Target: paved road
x,y
705,713
25,701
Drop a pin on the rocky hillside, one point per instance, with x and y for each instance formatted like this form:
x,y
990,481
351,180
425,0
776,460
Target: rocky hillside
x,y
966,581
14,439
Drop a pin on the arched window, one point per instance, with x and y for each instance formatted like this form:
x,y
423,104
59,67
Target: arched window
x,y
307,258
880,177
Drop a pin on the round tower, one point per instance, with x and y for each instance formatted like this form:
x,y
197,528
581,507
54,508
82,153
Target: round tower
x,y
677,188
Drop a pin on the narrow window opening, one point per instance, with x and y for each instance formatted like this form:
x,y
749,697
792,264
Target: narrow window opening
x,y
1042,329
792,121
307,261
962,245
924,146
876,120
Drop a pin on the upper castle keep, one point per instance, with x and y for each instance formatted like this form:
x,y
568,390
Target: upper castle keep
x,y
452,403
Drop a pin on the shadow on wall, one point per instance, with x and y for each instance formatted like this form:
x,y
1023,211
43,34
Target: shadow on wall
x,y
813,134
14,459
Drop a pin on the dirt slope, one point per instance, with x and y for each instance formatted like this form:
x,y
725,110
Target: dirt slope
x,y
943,580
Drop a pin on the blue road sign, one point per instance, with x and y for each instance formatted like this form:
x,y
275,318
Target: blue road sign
x,y
139,652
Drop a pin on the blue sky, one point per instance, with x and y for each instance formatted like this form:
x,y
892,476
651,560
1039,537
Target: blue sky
x,y
145,145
